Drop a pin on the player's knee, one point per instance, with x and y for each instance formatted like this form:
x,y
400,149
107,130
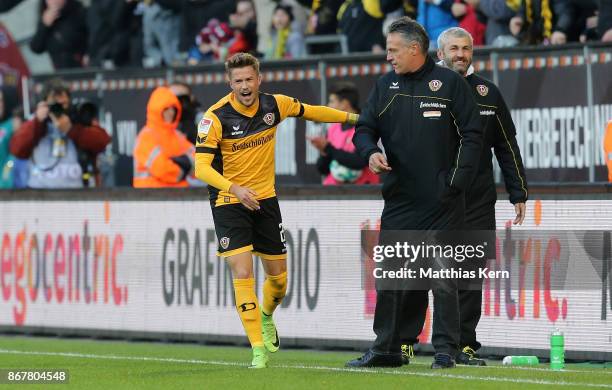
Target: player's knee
x,y
279,284
242,273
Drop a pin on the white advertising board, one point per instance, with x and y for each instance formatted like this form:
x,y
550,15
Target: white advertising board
x,y
150,266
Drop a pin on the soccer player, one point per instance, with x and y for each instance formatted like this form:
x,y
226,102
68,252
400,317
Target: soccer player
x,y
235,156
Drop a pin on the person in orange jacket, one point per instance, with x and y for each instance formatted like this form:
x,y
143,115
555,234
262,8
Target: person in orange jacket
x,y
163,157
608,149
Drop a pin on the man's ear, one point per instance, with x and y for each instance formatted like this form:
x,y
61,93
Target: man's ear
x,y
440,55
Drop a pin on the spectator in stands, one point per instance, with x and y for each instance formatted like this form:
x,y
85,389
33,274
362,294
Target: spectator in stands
x,y
338,161
161,24
128,38
408,7
212,43
7,5
361,21
323,20
533,25
499,13
102,31
604,23
189,107
435,16
8,102
244,23
163,157
21,167
62,32
571,19
286,37
471,19
62,148
197,14
115,33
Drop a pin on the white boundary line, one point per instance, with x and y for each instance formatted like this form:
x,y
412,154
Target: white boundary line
x,y
303,367
527,368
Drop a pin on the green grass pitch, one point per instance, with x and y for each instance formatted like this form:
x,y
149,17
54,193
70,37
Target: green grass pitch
x,y
94,364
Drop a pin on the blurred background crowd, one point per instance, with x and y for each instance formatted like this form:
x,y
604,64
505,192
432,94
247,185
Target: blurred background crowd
x,y
152,33
61,143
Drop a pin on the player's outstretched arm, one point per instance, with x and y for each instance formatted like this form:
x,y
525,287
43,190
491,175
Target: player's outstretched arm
x,y
291,107
328,115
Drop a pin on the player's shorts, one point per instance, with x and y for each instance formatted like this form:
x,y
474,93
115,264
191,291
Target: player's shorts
x,y
241,230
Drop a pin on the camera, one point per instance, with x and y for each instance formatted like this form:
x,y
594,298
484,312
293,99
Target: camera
x,y
57,109
83,113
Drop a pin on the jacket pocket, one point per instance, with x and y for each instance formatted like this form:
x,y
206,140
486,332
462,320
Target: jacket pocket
x,y
390,185
446,194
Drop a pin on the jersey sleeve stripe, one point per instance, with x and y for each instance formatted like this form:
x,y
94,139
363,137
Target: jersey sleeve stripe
x,y
206,149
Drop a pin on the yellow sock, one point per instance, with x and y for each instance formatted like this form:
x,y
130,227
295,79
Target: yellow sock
x,y
248,310
274,290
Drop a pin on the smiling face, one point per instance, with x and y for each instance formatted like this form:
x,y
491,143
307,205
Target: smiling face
x,y
457,54
245,83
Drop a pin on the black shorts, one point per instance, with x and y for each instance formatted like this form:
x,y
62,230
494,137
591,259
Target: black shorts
x,y
241,230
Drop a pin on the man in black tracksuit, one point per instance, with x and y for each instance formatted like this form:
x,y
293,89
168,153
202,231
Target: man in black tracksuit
x,y
427,120
455,52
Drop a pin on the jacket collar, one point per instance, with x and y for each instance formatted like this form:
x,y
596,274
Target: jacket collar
x,y
470,70
422,71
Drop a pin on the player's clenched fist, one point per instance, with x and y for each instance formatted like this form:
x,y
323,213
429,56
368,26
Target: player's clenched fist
x,y
246,196
378,163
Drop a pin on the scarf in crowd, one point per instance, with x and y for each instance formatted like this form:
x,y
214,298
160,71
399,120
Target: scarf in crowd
x,y
545,14
281,41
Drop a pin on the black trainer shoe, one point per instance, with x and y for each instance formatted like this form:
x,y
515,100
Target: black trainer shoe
x,y
443,360
468,357
407,353
373,359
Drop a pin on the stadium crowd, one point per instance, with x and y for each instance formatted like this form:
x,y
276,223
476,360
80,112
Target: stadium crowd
x,y
154,33
170,32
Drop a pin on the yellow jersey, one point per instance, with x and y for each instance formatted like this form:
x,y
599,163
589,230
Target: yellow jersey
x,y
238,142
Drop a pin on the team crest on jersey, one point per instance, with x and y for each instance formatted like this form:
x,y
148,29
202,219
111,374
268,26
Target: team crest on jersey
x,y
483,90
224,241
269,119
435,85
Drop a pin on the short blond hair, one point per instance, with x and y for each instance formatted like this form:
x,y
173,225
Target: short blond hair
x,y
241,60
455,32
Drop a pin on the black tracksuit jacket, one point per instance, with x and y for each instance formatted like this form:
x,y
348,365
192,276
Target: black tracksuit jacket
x,y
432,134
500,135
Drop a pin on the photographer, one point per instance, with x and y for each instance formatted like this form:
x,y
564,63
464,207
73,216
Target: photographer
x,y
61,140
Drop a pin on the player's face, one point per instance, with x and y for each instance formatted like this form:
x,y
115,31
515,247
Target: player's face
x,y
457,54
245,83
400,53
